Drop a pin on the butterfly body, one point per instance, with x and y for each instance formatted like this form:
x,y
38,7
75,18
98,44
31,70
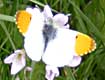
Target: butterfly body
x,y
49,33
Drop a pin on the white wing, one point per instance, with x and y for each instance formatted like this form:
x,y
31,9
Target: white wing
x,y
34,46
34,42
60,51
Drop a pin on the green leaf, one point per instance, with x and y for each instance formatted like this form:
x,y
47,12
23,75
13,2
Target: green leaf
x,y
38,72
7,33
69,73
7,18
41,4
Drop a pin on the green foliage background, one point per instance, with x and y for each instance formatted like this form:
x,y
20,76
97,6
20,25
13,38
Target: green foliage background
x,y
87,16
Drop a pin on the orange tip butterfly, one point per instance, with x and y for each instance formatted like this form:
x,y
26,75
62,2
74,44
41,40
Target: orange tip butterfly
x,y
60,50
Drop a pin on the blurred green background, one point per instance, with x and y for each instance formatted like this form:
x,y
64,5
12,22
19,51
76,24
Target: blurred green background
x,y
87,16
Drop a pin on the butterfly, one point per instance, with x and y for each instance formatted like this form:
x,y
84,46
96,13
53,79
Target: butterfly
x,y
46,38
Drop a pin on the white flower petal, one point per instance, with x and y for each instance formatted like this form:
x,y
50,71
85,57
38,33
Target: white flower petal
x,y
17,65
19,52
60,19
18,61
47,12
75,61
28,69
10,58
51,72
17,78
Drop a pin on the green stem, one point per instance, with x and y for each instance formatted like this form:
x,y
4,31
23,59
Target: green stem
x,y
13,77
32,66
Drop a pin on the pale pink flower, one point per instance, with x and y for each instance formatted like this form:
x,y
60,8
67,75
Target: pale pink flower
x,y
58,20
17,61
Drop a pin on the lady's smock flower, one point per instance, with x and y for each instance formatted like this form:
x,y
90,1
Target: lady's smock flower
x,y
18,61
51,72
58,20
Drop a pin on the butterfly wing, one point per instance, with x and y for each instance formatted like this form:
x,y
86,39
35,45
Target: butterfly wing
x,y
34,46
23,19
34,42
62,50
30,24
84,44
59,51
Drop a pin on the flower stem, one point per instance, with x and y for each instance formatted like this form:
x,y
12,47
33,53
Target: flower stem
x,y
13,77
32,66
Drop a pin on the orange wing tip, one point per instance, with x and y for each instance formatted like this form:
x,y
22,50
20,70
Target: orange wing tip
x,y
94,47
80,54
84,44
22,21
91,49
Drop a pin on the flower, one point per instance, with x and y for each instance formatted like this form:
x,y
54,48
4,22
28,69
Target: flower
x,y
18,61
51,72
59,20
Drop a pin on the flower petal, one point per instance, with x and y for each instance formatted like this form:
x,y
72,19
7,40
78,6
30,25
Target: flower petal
x,y
60,19
51,72
17,65
28,69
75,61
17,78
10,58
47,12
